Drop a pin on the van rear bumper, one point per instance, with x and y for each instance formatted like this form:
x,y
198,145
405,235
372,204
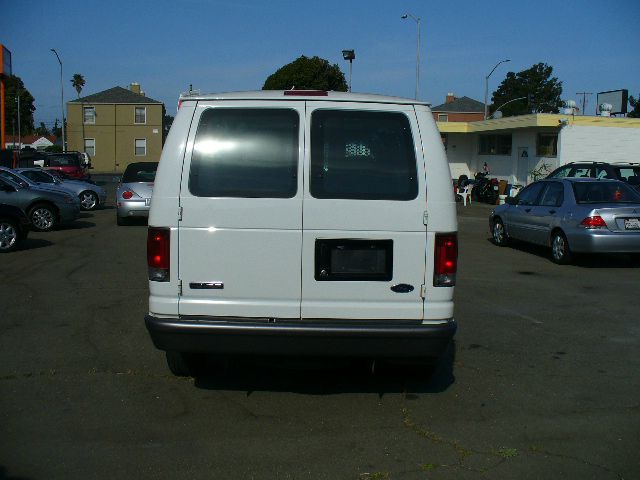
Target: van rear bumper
x,y
344,338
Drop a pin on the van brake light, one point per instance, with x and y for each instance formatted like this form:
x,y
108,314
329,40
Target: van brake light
x,y
158,251
446,260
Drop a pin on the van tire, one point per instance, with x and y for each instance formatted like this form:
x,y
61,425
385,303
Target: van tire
x,y
183,364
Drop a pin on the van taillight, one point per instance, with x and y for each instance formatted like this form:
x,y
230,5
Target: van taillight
x,y
158,242
446,260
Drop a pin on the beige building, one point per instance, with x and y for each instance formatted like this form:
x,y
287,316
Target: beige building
x,y
116,127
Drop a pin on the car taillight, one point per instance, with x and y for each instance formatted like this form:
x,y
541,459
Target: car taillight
x,y
127,194
158,242
446,260
593,222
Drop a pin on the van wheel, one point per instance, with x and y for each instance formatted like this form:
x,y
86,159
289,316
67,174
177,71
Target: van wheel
x,y
184,364
560,252
498,233
43,217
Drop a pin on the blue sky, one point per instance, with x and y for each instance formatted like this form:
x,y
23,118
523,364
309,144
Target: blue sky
x,y
234,45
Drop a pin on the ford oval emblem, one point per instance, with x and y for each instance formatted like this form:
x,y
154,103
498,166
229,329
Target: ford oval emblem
x,y
402,288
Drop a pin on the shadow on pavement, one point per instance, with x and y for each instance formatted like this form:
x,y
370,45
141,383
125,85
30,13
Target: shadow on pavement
x,y
326,376
77,225
5,476
32,244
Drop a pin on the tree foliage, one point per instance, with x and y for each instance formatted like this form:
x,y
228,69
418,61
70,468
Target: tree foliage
x,y
42,130
635,103
541,92
78,82
306,73
13,87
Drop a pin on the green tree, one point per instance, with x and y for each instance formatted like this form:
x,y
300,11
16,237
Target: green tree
x,y
78,82
306,73
541,92
14,87
42,130
635,103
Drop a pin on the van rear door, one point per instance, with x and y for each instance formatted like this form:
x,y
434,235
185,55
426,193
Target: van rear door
x,y
241,202
364,236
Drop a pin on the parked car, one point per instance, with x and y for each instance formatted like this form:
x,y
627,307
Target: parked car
x,y
91,195
70,163
626,172
571,215
133,195
14,227
298,223
45,208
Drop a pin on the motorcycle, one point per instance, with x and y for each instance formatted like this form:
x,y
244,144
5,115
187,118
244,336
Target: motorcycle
x,y
485,189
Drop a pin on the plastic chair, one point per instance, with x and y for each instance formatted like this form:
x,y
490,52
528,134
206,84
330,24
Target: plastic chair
x,y
465,193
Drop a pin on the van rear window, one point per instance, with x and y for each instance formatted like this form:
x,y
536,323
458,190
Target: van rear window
x,y
64,160
244,152
362,155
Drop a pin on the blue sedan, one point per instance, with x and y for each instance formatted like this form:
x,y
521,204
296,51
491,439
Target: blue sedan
x,y
571,215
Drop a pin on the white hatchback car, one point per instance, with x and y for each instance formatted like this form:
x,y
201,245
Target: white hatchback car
x,y
301,223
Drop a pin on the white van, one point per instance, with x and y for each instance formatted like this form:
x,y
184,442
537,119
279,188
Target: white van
x,y
301,223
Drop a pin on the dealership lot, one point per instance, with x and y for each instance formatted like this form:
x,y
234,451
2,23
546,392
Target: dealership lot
x,y
541,382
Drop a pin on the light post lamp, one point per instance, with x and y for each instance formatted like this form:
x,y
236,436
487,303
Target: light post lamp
x,y
417,20
486,85
64,144
351,56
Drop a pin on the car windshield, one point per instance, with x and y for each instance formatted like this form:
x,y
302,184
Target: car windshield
x,y
15,178
140,172
38,176
64,160
604,192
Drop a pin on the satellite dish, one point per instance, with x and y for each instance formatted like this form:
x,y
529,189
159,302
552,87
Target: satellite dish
x,y
498,114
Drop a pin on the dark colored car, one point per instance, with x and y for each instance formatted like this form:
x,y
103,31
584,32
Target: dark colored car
x,y
45,208
625,172
69,163
14,227
572,215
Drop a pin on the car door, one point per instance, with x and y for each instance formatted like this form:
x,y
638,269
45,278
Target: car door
x,y
364,236
546,215
520,215
240,234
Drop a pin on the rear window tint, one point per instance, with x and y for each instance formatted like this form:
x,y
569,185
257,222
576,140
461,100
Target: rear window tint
x,y
362,155
245,152
68,160
140,172
605,192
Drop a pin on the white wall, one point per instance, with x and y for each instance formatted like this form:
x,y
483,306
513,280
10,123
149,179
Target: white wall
x,y
598,144
460,151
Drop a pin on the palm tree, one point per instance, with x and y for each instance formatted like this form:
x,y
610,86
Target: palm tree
x,y
78,82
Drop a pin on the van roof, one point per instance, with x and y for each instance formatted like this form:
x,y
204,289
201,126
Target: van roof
x,y
308,95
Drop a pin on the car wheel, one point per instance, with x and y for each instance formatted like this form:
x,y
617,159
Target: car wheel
x,y
43,217
88,200
560,252
184,364
498,233
9,236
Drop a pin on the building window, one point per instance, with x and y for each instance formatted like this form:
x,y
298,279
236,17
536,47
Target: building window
x,y
495,145
89,115
443,117
547,145
141,146
90,146
141,115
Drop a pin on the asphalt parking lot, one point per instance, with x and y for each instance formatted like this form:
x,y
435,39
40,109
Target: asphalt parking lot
x,y
542,381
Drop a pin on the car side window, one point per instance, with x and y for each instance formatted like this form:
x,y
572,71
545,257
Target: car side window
x,y
530,195
553,196
363,155
246,153
561,172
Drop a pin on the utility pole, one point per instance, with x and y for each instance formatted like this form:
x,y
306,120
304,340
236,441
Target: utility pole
x,y
584,100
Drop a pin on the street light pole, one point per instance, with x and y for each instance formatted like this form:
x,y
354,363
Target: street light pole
x,y
486,85
417,20
351,56
64,144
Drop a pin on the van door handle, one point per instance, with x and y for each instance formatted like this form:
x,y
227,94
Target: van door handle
x,y
206,285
